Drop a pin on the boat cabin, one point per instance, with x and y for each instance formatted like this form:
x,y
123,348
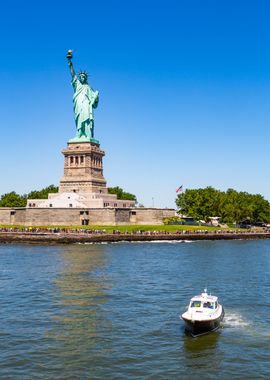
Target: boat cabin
x,y
203,302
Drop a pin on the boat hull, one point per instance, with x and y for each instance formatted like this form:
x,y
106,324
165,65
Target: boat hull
x,y
196,328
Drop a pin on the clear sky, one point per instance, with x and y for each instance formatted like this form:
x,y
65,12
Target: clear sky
x,y
184,92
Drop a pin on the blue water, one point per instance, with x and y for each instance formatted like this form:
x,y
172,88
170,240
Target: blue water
x,y
111,311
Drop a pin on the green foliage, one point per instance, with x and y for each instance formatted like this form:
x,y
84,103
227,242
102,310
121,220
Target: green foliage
x,y
121,194
13,199
172,220
231,206
43,193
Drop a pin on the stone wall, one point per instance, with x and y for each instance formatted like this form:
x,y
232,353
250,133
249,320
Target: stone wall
x,y
150,215
122,216
5,215
53,216
76,216
102,216
19,216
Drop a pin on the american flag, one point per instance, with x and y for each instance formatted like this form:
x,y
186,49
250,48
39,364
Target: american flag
x,y
179,189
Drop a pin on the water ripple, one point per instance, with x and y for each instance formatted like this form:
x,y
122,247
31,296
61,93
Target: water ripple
x,y
112,311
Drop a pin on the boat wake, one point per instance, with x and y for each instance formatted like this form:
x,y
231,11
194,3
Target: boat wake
x,y
91,242
168,241
234,320
137,242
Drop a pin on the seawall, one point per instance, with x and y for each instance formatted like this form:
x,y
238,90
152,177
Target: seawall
x,y
71,238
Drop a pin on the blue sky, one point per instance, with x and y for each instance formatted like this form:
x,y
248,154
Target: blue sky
x,y
184,93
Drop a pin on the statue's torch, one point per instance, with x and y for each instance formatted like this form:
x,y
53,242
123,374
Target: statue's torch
x,y
69,54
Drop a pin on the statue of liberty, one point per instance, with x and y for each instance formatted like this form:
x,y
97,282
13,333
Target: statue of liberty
x,y
84,100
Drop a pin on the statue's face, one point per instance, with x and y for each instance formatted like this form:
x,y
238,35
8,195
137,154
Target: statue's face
x,y
83,78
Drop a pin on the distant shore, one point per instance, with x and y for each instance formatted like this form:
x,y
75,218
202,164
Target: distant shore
x,y
103,237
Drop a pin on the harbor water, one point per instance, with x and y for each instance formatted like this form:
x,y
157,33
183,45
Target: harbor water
x,y
111,311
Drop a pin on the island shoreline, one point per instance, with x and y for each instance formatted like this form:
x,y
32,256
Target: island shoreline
x,y
72,238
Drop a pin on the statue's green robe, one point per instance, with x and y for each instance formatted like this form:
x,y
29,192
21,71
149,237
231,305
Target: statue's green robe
x,y
84,100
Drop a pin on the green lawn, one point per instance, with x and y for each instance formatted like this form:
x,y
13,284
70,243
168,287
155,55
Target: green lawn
x,y
129,228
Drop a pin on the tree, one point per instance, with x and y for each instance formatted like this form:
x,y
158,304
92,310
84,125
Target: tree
x,y
43,193
13,199
200,203
231,206
121,194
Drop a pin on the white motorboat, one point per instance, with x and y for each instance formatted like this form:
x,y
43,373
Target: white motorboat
x,y
203,315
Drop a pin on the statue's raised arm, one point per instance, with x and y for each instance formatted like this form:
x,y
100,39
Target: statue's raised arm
x,y
71,68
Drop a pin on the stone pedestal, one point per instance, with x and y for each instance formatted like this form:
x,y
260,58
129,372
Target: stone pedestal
x,y
83,169
82,185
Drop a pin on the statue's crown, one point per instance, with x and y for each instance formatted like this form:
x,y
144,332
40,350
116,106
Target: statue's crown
x,y
83,73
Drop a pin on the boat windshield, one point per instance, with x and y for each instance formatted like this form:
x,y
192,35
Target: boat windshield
x,y
195,304
208,305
